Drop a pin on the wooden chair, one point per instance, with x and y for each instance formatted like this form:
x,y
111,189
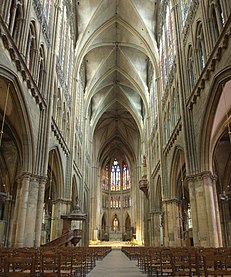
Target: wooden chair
x,y
217,265
50,264
182,264
19,266
79,265
154,262
166,267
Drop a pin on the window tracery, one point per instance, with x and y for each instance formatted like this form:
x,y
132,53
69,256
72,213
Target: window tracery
x,y
31,46
115,224
15,19
167,45
185,4
115,176
41,65
105,175
126,177
190,67
201,51
58,109
47,10
216,19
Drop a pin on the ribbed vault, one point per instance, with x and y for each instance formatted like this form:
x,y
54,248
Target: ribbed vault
x,y
116,46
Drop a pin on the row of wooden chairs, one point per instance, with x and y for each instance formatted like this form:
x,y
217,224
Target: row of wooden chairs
x,y
181,261
45,261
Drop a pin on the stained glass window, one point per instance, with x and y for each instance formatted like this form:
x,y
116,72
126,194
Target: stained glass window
x,y
115,202
63,32
115,176
184,9
167,45
115,224
153,103
163,58
126,177
170,34
127,201
217,19
47,8
105,178
201,55
191,68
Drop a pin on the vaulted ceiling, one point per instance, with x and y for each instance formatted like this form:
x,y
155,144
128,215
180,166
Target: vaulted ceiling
x,y
116,43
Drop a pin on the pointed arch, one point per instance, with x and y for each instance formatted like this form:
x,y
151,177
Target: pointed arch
x,y
55,182
15,19
31,46
200,46
177,174
190,68
216,122
20,121
74,192
115,223
158,195
41,69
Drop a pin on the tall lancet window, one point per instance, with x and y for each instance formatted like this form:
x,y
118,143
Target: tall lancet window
x,y
47,8
115,176
167,45
185,4
105,178
170,35
126,177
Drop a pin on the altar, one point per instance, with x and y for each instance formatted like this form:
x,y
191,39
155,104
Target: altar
x,y
115,236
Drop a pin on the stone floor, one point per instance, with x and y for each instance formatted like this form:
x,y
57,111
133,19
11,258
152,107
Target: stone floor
x,y
116,264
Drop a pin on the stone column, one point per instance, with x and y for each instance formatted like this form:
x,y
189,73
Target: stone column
x,y
59,207
39,212
171,221
6,218
13,222
156,228
22,210
5,11
94,213
31,212
204,210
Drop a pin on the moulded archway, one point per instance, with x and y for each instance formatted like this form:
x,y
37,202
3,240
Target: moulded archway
x,y
53,188
16,151
220,152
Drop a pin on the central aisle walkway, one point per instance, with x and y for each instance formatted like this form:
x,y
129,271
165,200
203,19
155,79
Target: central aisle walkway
x,y
116,264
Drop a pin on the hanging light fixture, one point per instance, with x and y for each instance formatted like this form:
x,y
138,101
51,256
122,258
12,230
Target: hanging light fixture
x,y
223,196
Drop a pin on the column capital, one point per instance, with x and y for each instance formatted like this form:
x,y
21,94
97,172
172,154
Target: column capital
x,y
43,179
170,201
156,212
34,178
24,176
200,176
61,201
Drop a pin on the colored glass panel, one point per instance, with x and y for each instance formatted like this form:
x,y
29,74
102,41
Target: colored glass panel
x,y
184,9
